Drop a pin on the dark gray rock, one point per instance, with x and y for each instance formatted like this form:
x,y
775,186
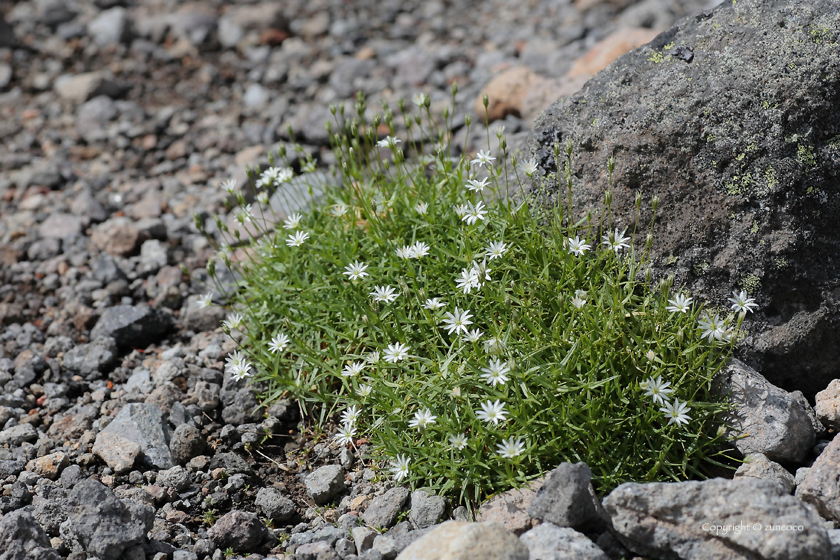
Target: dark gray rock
x,y
15,497
186,443
239,530
740,145
274,505
677,520
231,463
325,483
50,509
93,359
567,499
550,542
145,425
820,485
44,249
383,510
105,269
103,525
426,509
136,327
240,404
21,538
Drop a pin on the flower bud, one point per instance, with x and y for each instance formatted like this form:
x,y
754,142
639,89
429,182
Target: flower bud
x,y
608,197
211,268
638,199
332,108
655,203
454,88
468,119
485,100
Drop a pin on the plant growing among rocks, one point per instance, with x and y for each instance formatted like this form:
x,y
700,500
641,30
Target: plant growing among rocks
x,y
475,339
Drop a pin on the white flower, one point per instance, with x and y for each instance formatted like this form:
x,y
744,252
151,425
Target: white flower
x,y
500,130
419,250
262,198
355,270
240,371
529,166
422,418
458,441
244,214
496,250
419,99
481,271
384,293
351,415
616,241
460,210
404,252
267,177
396,352
338,210
680,304
278,343
229,186
468,280
482,158
510,448
578,301
297,239
492,412
433,303
676,412
650,355
474,213
345,434
233,321
364,390
657,389
458,321
234,359
352,370
577,246
740,302
293,221
308,167
400,467
713,328
422,208
285,175
472,336
495,373
373,357
475,185
388,141
493,346
205,301
456,392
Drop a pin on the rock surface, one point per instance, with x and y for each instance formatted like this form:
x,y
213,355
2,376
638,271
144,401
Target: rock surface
x,y
567,499
456,540
759,466
550,542
820,485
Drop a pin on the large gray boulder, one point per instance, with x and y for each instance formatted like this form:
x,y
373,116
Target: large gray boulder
x,y
21,538
820,485
745,518
730,118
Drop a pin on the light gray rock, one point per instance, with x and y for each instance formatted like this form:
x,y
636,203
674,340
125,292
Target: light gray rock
x,y
383,510
201,319
274,505
820,485
344,547
457,540
315,551
363,537
567,499
764,419
118,452
177,477
84,87
550,542
759,466
242,531
827,405
111,27
22,538
16,435
325,483
715,518
91,360
426,509
145,425
60,225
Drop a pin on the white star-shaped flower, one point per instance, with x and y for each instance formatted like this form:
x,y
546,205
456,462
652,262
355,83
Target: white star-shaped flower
x,y
657,389
396,353
345,434
474,213
419,250
351,415
482,158
355,270
297,239
433,304
676,412
472,336
578,246
293,221
205,301
352,370
495,373
458,441
422,419
388,142
680,304
475,185
742,303
492,412
458,321
510,448
385,294
278,343
496,250
616,241
421,208
529,166
400,467
229,186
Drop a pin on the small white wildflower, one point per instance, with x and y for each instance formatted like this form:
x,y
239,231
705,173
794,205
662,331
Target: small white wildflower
x,y
680,304
338,210
345,434
293,221
468,280
577,246
262,198
355,270
373,357
404,252
496,250
676,412
493,346
419,99
352,370
529,166
364,390
205,301
388,142
500,131
472,336
400,467
657,389
229,186
616,241
458,441
742,303
233,321
495,373
241,371
419,250
422,419
433,303
284,175
482,158
475,185
396,352
492,412
460,210
309,167
351,415
712,327
385,294
510,448
458,321
422,208
474,213
456,392
297,239
578,302
278,343
650,355
234,359
244,214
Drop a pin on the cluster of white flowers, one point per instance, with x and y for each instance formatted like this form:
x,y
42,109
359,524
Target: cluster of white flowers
x,y
237,366
274,176
473,277
416,251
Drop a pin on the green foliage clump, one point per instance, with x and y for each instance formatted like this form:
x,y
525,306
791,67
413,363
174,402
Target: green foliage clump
x,y
475,339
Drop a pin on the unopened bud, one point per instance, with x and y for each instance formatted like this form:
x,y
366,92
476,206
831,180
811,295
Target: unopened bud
x,y
638,199
655,203
454,88
485,100
468,119
332,108
608,197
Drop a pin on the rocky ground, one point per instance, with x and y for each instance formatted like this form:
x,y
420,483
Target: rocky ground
x,y
121,436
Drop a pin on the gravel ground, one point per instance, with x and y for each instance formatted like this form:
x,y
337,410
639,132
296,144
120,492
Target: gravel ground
x,y
120,434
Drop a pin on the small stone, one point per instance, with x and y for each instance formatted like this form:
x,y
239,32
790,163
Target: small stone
x,y
93,359
383,510
456,540
118,236
16,435
510,508
144,424
567,499
759,466
48,466
505,93
550,542
177,477
201,319
828,405
110,27
22,538
239,530
60,226
118,452
325,483
186,443
132,326
820,485
344,547
315,551
363,537
274,505
426,509
83,87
